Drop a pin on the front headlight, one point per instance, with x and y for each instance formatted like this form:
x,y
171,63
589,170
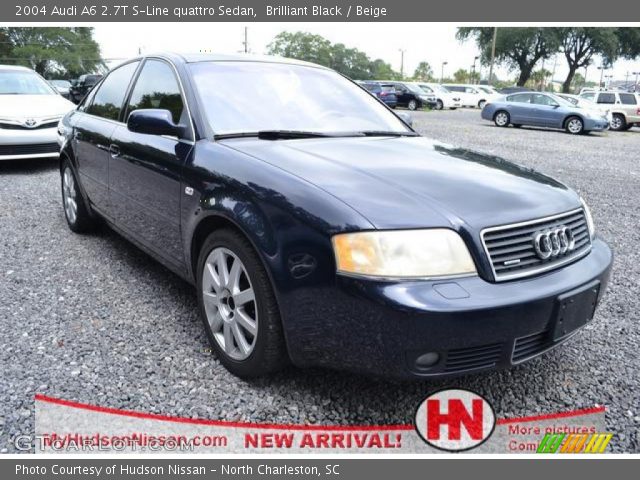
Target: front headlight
x,y
403,253
587,214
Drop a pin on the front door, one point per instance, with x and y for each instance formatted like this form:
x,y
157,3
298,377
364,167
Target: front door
x,y
145,174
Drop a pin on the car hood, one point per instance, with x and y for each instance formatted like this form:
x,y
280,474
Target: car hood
x,y
33,106
413,182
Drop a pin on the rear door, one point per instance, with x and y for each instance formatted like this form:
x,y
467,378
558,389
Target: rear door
x,y
629,103
521,108
145,178
93,130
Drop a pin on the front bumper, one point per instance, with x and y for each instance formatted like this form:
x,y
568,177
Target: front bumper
x,y
381,328
22,144
597,125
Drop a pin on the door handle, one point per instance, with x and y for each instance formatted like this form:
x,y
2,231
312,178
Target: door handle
x,y
114,150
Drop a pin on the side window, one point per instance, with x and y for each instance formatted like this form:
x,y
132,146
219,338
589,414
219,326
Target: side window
x,y
589,96
539,99
470,90
608,98
427,89
157,87
108,99
628,99
520,98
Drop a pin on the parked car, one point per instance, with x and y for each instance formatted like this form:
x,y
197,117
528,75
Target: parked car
x,y
319,228
623,107
62,87
471,95
30,109
410,95
543,110
444,98
514,89
82,86
387,94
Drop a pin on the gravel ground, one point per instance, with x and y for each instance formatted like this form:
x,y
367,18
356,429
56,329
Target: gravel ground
x,y
93,319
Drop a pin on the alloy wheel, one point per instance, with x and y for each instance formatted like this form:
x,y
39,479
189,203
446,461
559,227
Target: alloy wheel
x,y
574,125
616,122
230,303
502,119
69,195
412,105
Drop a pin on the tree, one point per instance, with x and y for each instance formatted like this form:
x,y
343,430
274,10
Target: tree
x,y
314,48
580,44
460,76
423,72
538,79
53,51
519,48
629,42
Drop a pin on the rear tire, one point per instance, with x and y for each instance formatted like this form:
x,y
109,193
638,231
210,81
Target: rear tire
x,y
247,337
439,105
501,118
76,211
481,104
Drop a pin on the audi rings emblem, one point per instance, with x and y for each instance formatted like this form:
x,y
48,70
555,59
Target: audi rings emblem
x,y
554,242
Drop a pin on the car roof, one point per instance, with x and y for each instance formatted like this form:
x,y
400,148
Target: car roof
x,y
223,57
15,67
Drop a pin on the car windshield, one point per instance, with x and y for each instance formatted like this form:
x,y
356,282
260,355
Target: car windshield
x,y
245,97
415,88
21,82
562,101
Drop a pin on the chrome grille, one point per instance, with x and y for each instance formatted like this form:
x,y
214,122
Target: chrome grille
x,y
511,249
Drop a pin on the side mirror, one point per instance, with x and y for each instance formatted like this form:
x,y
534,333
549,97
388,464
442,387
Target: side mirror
x,y
406,118
152,121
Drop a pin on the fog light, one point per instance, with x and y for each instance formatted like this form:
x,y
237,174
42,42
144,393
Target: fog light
x,y
427,360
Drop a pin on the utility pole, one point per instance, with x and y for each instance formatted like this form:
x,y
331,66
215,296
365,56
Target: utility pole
x,y
635,87
493,54
473,69
246,41
553,73
442,71
626,79
401,50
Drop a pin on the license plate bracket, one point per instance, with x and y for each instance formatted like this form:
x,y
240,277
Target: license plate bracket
x,y
575,309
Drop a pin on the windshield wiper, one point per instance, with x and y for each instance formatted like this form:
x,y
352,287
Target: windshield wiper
x,y
284,134
384,133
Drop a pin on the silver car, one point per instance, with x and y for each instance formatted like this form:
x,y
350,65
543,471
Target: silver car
x,y
30,109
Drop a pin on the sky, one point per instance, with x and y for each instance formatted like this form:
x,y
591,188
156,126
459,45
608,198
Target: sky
x,y
433,42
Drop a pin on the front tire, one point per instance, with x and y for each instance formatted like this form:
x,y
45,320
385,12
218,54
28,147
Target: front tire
x,y
439,105
238,307
501,118
76,211
618,122
413,105
574,125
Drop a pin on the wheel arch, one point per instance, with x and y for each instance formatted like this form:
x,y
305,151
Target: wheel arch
x,y
571,115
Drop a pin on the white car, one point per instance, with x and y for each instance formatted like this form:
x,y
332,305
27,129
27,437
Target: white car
x,y
472,95
444,98
624,107
30,109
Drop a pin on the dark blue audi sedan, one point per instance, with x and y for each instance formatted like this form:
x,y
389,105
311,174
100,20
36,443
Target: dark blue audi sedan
x,y
320,229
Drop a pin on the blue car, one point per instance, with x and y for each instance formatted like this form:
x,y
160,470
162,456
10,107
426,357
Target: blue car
x,y
543,110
